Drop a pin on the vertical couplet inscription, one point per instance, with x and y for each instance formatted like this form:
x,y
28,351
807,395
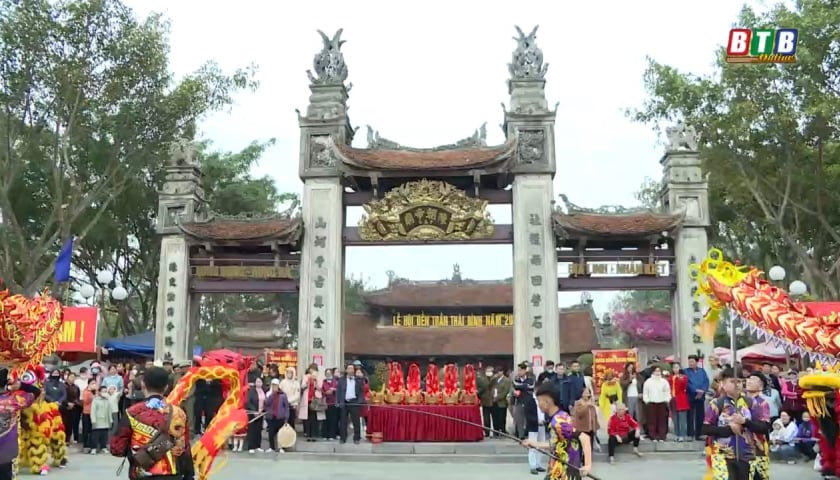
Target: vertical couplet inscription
x,y
171,285
319,244
536,291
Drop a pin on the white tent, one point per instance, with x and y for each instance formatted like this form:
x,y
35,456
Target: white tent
x,y
759,351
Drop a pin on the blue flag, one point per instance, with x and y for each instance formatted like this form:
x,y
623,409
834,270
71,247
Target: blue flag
x,y
64,262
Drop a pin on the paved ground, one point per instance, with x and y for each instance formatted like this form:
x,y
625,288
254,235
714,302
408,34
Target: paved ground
x,y
85,467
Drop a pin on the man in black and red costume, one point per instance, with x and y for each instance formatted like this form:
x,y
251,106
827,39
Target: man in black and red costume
x,y
154,435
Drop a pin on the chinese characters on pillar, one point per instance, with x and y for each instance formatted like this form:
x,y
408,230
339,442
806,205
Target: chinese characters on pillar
x,y
169,325
319,250
536,282
696,308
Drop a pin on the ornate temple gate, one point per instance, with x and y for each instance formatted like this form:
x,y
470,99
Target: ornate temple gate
x,y
614,248
203,252
428,196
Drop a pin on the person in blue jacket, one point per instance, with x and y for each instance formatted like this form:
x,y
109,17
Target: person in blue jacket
x,y
574,386
698,384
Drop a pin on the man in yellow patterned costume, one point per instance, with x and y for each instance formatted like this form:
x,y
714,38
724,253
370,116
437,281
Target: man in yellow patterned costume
x,y
42,437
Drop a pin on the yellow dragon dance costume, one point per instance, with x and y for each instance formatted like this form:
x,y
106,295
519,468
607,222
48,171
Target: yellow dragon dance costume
x,y
29,331
42,439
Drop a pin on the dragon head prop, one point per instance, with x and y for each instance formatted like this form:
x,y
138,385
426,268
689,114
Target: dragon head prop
x,y
767,311
29,378
29,329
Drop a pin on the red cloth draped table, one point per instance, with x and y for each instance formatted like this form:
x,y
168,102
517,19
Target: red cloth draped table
x,y
410,423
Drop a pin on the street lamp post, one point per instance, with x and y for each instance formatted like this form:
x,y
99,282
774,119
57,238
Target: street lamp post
x,y
105,279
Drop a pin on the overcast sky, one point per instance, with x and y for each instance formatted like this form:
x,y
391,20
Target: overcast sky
x,y
429,73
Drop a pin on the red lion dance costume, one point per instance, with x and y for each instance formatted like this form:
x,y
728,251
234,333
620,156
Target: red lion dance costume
x,y
29,331
232,370
810,328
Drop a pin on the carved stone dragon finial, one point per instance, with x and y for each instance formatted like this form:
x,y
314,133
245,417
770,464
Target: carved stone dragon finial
x,y
477,139
527,58
329,65
572,208
681,137
374,141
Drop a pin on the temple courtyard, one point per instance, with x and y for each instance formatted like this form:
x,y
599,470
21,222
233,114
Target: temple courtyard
x,y
305,467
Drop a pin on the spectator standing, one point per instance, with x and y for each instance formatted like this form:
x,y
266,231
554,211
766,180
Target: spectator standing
x,y
585,417
291,387
349,396
631,389
255,404
523,390
656,394
102,416
575,385
485,396
71,409
680,405
87,402
277,413
329,387
500,388
698,384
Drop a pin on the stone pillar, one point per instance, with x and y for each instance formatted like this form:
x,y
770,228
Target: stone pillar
x,y
537,327
320,312
530,123
180,200
173,332
685,190
320,325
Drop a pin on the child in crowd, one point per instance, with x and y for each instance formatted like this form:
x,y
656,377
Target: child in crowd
x,y
101,419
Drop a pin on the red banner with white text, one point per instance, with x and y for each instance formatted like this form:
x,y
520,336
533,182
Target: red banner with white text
x,y
78,333
282,358
610,360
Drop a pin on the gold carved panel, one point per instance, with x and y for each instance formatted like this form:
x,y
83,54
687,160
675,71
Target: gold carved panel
x,y
426,210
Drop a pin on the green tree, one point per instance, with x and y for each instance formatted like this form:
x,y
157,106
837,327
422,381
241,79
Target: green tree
x,y
769,138
89,108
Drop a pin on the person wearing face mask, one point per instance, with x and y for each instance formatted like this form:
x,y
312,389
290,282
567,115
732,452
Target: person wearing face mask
x,y
102,417
329,387
656,393
54,389
485,397
501,387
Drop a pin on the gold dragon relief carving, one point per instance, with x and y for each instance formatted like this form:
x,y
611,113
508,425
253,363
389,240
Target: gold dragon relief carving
x,y
425,210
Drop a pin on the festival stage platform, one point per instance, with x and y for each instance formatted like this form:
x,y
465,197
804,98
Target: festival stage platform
x,y
487,451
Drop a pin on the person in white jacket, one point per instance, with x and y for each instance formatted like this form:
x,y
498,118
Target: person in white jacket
x,y
656,394
783,438
291,387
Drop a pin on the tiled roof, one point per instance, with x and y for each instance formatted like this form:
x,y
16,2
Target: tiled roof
x,y
442,294
432,159
618,224
363,337
281,228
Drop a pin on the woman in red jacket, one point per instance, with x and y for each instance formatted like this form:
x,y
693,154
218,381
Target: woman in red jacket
x,y
679,401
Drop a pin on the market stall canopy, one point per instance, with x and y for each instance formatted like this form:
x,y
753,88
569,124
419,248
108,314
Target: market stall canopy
x,y
140,344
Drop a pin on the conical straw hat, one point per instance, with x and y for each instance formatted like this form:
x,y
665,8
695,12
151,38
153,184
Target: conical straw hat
x,y
286,437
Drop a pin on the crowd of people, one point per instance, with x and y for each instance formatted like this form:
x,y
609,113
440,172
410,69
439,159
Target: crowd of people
x,y
657,403
94,399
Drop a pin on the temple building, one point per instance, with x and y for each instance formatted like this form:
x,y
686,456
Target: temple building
x,y
453,320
